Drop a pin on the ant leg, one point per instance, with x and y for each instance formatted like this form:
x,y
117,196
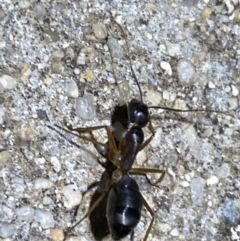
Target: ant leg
x,y
90,210
112,143
149,170
145,143
151,223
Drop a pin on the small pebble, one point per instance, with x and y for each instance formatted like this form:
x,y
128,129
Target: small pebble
x,y
184,184
44,218
7,230
42,183
233,103
58,54
4,156
57,66
151,7
25,213
47,201
174,232
212,180
211,85
81,59
2,13
154,97
56,163
167,67
57,234
186,72
115,48
87,75
85,107
72,89
141,157
73,196
164,227
24,4
206,13
26,132
100,30
39,11
166,95
39,160
229,211
48,80
122,92
235,91
50,36
7,83
197,191
223,171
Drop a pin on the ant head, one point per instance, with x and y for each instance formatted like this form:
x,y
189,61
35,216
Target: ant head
x,y
138,112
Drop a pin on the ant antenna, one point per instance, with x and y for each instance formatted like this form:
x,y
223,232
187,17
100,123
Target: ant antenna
x,y
129,59
179,110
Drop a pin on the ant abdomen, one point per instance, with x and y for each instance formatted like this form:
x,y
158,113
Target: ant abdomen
x,y
124,207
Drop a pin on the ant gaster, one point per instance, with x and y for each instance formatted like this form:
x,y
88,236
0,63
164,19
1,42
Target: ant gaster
x,y
124,202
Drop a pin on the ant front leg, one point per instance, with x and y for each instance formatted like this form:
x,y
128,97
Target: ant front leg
x,y
111,140
146,142
145,171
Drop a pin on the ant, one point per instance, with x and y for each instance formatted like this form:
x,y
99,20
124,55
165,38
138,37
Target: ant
x,y
124,199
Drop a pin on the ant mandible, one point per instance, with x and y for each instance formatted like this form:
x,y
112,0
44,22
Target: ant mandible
x,y
124,201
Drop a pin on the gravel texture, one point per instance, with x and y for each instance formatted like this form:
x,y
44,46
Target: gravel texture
x,y
56,67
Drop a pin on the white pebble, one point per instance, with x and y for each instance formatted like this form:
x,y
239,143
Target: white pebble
x,y
81,59
40,160
24,4
100,30
85,108
235,91
141,157
25,213
7,230
42,183
44,218
166,95
167,67
211,85
73,196
233,103
212,180
7,82
174,232
197,191
223,171
184,184
186,72
164,227
56,163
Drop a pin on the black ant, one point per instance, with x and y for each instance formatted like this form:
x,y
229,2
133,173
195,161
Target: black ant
x,y
124,200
